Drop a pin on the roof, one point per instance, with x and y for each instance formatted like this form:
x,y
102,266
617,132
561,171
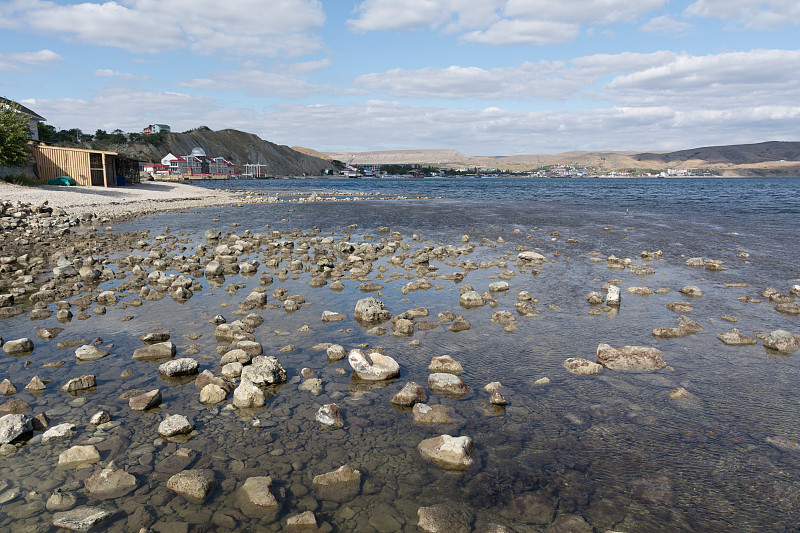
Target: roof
x,y
22,109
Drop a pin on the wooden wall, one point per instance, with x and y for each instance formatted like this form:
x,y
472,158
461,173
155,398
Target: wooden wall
x,y
86,167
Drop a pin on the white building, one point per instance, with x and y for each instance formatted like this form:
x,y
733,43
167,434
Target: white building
x,y
35,118
198,163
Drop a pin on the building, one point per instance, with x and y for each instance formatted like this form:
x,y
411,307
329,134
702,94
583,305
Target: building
x,y
89,168
197,164
35,118
152,129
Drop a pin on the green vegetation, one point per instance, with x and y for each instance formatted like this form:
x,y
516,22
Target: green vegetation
x,y
13,137
20,180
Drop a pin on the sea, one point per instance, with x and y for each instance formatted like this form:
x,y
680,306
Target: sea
x,y
611,452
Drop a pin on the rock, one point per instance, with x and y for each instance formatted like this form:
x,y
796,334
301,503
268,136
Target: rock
x,y
214,269
7,388
78,456
432,414
403,327
471,299
195,484
447,384
80,519
248,395
445,364
100,417
341,485
459,325
256,500
531,257
15,427
87,352
410,394
155,337
61,501
329,416
735,338
18,347
442,518
250,347
450,453
677,394
782,341
641,358
532,508
331,316
185,366
175,425
595,298
35,385
613,297
110,483
691,290
371,311
80,384
373,366
788,308
61,431
582,367
145,401
212,394
680,307
499,286
14,407
335,353
302,522
497,399
639,291
155,352
569,524
264,370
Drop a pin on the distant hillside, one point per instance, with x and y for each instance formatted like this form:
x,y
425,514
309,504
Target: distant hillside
x,y
762,159
236,146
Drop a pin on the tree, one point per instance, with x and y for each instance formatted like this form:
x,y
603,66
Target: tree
x,y
14,137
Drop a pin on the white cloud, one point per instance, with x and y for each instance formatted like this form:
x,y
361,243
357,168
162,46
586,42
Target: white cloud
x,y
257,83
241,27
108,73
755,14
666,25
26,60
499,22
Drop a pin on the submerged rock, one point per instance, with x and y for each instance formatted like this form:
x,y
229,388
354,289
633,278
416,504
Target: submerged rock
x,y
145,401
110,483
80,519
432,414
340,485
447,384
78,456
443,518
735,338
155,352
329,416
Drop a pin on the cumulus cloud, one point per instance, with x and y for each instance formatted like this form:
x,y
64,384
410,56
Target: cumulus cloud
x,y
755,14
109,73
499,22
666,25
256,82
28,60
241,27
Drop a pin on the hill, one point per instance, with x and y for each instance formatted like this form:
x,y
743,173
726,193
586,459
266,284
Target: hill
x,y
236,146
772,158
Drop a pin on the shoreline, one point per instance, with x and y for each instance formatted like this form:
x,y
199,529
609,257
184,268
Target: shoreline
x,y
118,202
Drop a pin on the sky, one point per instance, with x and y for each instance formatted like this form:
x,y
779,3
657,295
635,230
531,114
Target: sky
x,y
484,77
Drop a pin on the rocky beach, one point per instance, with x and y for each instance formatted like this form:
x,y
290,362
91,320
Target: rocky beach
x,y
313,357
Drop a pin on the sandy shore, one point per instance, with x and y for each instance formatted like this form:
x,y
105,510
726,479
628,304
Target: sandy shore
x,y
116,202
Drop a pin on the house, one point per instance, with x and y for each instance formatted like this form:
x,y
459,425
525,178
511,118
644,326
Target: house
x,y
35,118
152,129
89,168
198,163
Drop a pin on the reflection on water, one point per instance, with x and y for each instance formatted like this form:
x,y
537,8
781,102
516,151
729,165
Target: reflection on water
x,y
612,451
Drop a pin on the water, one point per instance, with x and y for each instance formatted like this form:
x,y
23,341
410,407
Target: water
x,y
613,449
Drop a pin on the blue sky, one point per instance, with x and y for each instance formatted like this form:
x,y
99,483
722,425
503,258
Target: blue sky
x,y
485,77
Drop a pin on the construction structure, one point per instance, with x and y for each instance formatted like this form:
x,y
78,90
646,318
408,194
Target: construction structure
x,y
89,168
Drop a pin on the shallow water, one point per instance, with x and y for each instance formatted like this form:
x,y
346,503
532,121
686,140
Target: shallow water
x,y
613,449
